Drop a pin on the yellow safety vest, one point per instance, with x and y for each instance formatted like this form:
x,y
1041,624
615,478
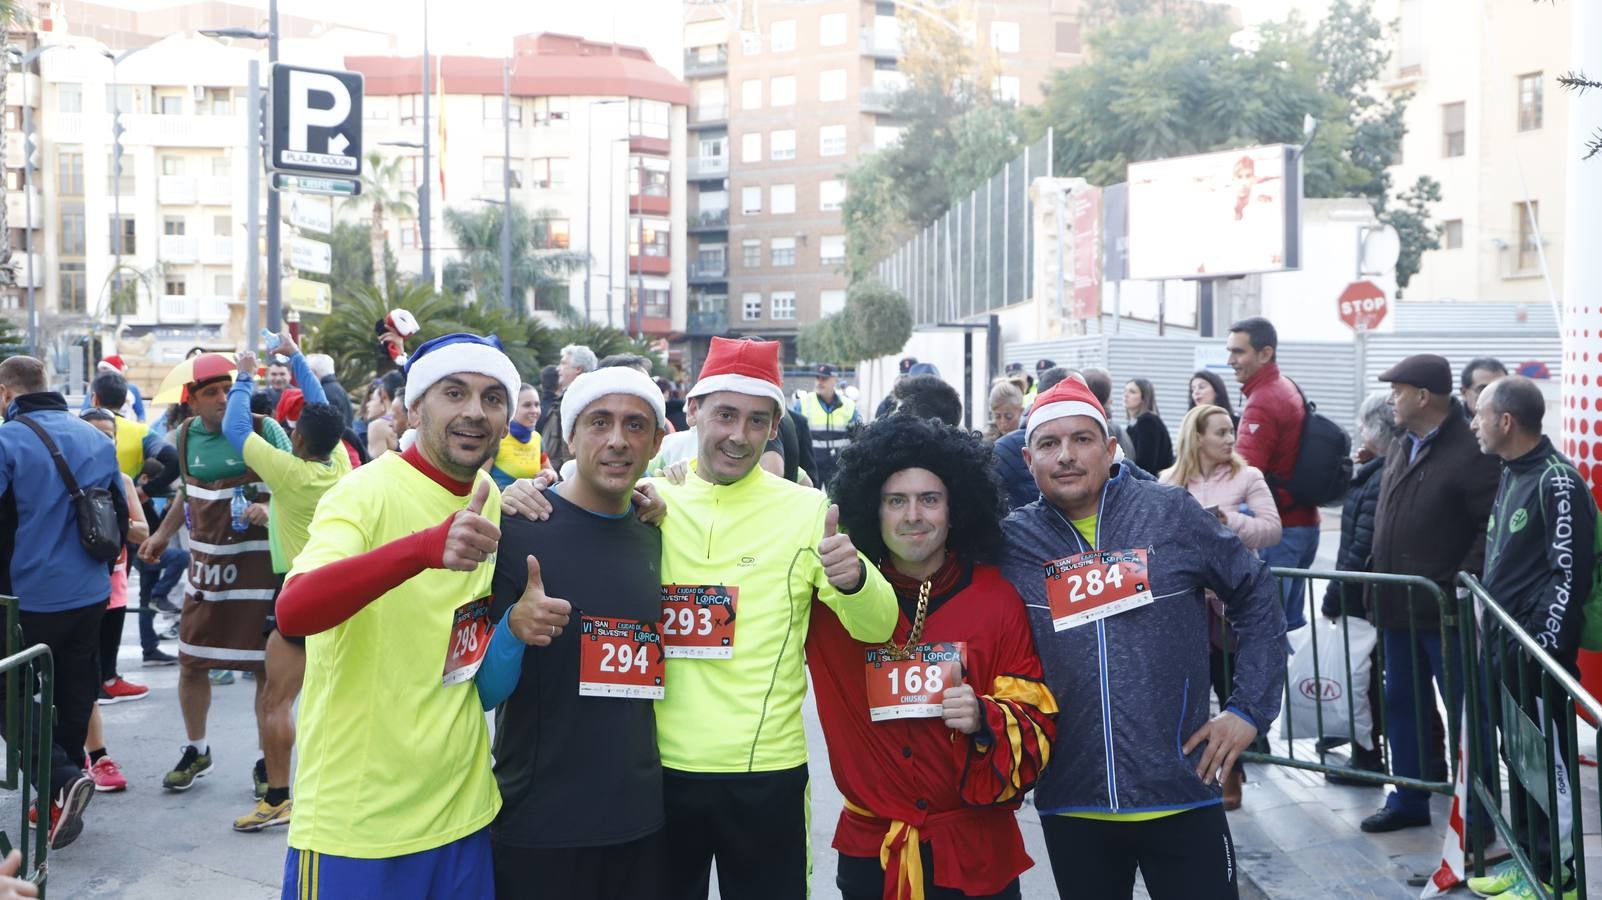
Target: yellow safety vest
x,y
828,427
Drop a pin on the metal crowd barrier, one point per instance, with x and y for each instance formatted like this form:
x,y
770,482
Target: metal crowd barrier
x,y
1306,745
1530,702
29,690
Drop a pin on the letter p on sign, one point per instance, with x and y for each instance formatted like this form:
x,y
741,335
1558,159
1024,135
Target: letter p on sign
x,y
316,122
302,115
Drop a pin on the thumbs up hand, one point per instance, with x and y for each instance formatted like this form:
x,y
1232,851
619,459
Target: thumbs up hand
x,y
839,555
538,619
471,538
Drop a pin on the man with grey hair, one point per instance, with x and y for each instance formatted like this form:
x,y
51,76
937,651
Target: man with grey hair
x,y
575,361
322,365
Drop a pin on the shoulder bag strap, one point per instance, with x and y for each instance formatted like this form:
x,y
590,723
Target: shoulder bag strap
x,y
55,454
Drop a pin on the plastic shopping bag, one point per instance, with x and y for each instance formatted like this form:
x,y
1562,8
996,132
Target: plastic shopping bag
x,y
1318,689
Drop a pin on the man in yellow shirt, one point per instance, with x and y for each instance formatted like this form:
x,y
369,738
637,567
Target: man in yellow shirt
x,y
744,553
394,792
297,480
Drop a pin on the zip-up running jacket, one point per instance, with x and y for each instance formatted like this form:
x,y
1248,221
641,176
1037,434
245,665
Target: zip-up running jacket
x,y
759,534
1133,687
1540,549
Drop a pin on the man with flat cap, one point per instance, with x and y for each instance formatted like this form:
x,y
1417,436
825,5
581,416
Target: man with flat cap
x,y
1435,497
1042,366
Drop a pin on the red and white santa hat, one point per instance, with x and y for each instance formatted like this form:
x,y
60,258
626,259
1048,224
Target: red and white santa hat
x,y
112,363
743,366
1068,397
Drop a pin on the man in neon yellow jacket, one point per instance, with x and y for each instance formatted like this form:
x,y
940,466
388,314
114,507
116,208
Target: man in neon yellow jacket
x,y
743,552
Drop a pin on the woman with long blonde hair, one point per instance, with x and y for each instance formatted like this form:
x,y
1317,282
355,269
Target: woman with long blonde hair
x,y
1236,493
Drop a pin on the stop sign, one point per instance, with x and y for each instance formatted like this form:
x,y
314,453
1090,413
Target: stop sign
x,y
1362,305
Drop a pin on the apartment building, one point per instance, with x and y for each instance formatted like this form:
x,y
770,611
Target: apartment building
x,y
597,150
784,98
1489,122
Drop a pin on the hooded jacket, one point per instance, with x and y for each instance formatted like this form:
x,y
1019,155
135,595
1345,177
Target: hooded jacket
x,y
1133,687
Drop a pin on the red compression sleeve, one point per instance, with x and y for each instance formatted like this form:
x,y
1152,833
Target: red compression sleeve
x,y
318,600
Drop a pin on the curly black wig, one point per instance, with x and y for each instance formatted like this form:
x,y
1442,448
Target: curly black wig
x,y
960,458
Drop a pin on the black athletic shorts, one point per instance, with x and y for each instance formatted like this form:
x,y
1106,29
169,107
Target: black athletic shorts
x,y
631,871
272,623
1185,856
752,826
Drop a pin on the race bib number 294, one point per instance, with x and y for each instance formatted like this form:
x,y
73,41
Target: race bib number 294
x,y
1087,587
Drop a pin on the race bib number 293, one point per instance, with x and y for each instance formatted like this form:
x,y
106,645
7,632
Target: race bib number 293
x,y
1087,587
698,620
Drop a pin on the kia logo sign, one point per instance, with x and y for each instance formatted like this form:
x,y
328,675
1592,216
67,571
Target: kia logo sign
x,y
1320,689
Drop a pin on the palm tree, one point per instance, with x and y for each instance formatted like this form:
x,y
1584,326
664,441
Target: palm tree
x,y
538,265
381,191
10,14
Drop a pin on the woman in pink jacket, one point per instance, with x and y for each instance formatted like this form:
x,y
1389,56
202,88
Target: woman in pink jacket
x,y
1207,466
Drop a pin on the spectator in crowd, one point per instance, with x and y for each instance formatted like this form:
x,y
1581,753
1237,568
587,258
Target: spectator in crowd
x,y
632,360
1376,429
1100,382
1480,372
61,590
888,404
927,397
831,417
322,365
133,408
1015,373
550,380
1271,438
1153,450
1010,465
263,403
675,405
1435,496
279,380
1540,559
1237,495
382,433
576,360
1207,388
1006,409
1041,367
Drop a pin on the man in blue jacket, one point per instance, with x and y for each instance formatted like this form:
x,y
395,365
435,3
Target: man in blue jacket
x,y
1113,571
61,589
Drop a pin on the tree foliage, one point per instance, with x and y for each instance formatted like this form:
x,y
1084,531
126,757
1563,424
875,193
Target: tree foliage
x,y
353,259
876,322
537,265
381,196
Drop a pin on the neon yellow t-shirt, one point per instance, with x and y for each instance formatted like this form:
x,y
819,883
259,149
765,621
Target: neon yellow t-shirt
x,y
131,446
297,484
391,761
1087,529
517,460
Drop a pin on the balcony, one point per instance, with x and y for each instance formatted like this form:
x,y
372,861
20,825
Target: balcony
x,y
876,100
880,46
176,190
16,86
708,321
698,65
217,250
709,272
179,308
177,131
177,248
708,220
214,310
17,207
704,168
710,117
216,190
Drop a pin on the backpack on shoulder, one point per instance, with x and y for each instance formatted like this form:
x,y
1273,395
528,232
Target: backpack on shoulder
x,y
94,508
1323,471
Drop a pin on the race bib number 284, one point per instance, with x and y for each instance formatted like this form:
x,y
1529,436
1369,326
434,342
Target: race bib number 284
x,y
1087,587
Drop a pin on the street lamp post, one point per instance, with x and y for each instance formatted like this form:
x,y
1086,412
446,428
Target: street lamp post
x,y
116,173
424,213
506,188
589,205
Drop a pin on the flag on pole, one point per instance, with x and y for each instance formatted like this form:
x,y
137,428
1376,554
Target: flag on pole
x,y
439,93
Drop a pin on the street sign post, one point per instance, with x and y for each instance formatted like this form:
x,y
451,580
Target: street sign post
x,y
316,122
311,256
1362,306
327,187
309,296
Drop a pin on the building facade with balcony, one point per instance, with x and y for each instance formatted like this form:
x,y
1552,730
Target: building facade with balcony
x,y
779,113
598,153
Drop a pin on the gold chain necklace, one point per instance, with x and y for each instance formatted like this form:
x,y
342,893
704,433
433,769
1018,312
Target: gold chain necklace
x,y
905,652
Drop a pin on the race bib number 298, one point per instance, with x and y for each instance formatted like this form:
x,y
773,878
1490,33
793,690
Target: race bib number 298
x,y
470,632
1087,587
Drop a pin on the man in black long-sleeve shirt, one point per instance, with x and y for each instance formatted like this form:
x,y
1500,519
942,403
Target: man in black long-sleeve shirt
x,y
1539,561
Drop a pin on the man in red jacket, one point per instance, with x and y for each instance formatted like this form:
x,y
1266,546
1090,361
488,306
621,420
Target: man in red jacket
x,y
1270,438
935,736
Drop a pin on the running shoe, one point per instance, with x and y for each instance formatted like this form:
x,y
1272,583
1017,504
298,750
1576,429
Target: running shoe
x,y
107,777
193,764
66,813
170,633
222,676
159,658
264,816
164,605
1524,890
258,775
118,690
